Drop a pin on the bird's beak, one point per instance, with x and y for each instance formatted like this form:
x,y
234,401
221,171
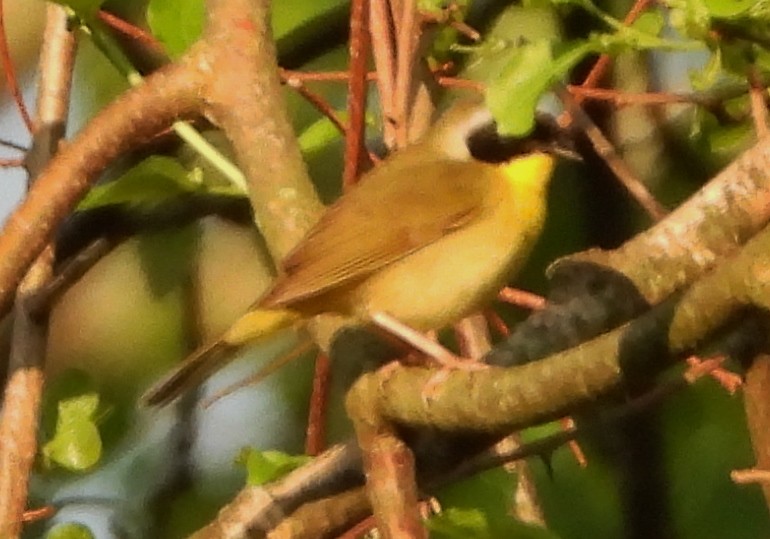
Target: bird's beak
x,y
553,139
565,151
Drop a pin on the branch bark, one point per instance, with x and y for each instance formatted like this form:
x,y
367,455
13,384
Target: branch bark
x,y
244,97
711,225
20,413
757,404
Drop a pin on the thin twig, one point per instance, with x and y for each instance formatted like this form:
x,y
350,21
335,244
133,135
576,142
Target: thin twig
x,y
320,104
407,37
355,152
69,273
607,152
602,145
287,75
498,456
444,16
323,106
621,99
130,30
315,439
600,67
11,163
12,145
475,343
454,82
381,27
497,323
750,476
730,381
521,298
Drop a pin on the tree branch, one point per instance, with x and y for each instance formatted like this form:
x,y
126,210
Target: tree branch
x,y
20,412
245,99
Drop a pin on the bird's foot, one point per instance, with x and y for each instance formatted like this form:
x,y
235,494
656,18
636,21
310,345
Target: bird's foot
x,y
448,361
448,366
421,342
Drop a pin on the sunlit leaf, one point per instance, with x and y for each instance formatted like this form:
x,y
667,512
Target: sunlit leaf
x,y
176,23
70,530
650,22
76,444
728,8
705,78
291,15
154,178
318,135
266,466
460,523
513,95
457,523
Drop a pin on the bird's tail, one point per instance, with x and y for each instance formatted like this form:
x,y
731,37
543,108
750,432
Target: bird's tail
x,y
253,326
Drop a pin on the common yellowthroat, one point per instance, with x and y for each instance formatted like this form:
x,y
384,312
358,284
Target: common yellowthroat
x,y
427,237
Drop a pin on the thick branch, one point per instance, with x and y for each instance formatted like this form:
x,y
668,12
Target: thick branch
x,y
21,402
595,291
501,400
244,97
498,400
20,411
138,114
710,225
258,509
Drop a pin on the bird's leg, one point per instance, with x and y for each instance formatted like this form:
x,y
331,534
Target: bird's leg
x,y
430,348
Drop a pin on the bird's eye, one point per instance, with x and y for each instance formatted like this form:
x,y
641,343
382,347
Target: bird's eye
x,y
487,145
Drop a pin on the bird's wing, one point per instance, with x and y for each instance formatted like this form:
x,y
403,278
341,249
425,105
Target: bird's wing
x,y
376,224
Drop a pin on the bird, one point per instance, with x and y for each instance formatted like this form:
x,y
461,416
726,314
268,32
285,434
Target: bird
x,y
428,236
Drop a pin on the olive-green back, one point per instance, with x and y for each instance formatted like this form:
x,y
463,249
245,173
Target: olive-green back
x,y
398,208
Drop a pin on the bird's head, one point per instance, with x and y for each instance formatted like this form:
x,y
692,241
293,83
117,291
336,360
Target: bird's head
x,y
468,131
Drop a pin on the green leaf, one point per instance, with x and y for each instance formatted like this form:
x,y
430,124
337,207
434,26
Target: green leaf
x,y
726,141
319,134
480,506
76,445
431,6
176,23
84,406
650,22
165,256
691,18
155,178
70,530
266,466
515,25
707,77
290,16
462,522
459,523
513,95
577,3
727,9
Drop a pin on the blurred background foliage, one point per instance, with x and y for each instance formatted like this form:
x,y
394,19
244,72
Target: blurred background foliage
x,y
663,473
